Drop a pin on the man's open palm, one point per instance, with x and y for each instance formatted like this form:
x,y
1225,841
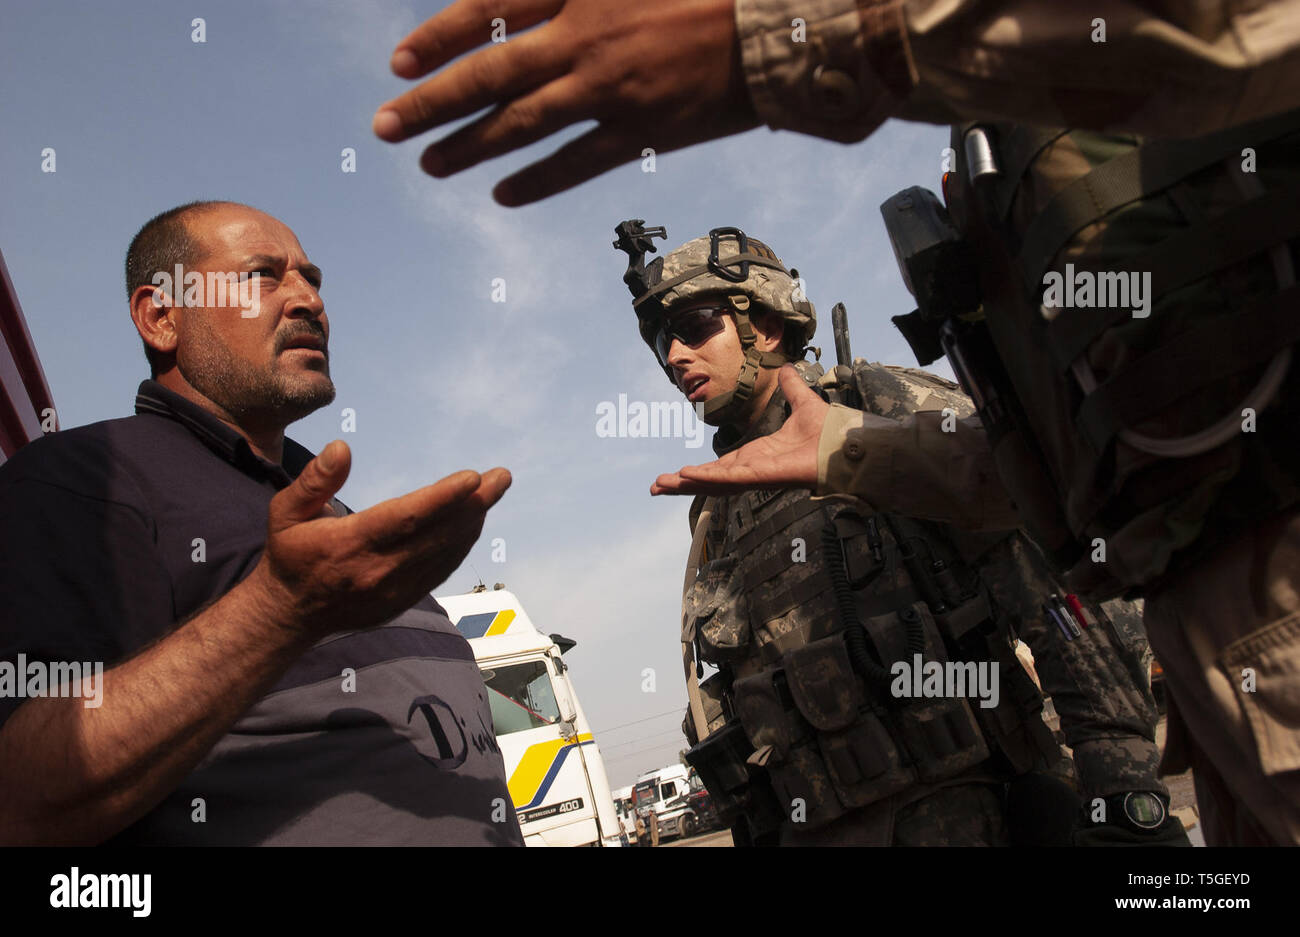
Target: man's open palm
x,y
785,459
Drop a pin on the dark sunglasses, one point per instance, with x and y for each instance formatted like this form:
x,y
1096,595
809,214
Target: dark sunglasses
x,y
690,327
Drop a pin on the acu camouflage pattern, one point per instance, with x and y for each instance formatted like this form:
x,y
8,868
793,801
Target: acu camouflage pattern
x,y
969,815
965,814
1099,683
869,771
897,393
770,288
763,610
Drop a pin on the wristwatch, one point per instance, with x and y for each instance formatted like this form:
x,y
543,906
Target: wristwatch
x,y
1140,811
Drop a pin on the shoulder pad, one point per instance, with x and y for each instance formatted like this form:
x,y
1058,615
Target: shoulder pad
x,y
923,377
898,392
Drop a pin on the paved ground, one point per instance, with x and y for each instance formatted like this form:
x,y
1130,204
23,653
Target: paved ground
x,y
721,838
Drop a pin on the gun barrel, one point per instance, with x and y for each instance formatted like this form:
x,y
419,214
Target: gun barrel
x,y
840,325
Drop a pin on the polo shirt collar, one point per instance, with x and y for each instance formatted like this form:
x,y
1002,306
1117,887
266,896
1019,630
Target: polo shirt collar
x,y
152,397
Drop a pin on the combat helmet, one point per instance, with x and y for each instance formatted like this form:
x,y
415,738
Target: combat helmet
x,y
726,264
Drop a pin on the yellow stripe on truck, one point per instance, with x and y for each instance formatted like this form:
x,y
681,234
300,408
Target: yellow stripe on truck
x,y
534,769
500,623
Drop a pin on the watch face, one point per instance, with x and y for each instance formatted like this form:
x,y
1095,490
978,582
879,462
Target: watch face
x,y
1144,809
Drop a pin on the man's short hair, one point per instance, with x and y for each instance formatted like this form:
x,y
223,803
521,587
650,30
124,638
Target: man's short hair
x,y
160,245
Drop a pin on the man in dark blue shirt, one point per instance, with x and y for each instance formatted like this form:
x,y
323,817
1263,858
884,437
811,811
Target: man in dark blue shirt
x,y
274,669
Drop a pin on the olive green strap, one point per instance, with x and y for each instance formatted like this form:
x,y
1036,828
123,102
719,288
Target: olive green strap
x,y
729,403
780,519
1248,335
1150,168
1202,249
693,563
1216,243
1022,147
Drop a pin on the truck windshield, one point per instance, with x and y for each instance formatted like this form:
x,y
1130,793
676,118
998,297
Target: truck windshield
x,y
646,794
521,697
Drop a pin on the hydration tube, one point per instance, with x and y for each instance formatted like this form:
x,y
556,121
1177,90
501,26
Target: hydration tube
x,y
1269,383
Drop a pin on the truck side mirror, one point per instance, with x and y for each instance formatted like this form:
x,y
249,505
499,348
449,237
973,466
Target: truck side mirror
x,y
563,699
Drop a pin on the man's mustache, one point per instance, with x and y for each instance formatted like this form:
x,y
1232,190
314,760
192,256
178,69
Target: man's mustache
x,y
283,340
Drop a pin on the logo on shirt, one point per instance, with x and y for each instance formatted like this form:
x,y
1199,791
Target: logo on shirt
x,y
449,733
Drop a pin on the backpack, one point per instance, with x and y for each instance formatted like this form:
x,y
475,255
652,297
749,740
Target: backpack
x,y
1122,311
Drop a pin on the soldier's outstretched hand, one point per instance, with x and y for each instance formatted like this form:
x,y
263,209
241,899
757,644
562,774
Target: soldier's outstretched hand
x,y
662,75
785,459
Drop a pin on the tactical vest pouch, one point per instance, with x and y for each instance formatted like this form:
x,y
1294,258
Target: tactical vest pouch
x,y
720,761
940,734
718,609
714,716
1011,726
959,622
767,717
787,747
861,760
1015,725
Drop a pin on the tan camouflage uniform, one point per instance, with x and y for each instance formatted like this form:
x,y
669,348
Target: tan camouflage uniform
x,y
1166,68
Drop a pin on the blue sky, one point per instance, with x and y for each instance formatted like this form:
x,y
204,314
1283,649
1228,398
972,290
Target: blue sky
x,y
440,377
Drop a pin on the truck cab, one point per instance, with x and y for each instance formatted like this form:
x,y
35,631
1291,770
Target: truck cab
x,y
626,814
665,792
556,774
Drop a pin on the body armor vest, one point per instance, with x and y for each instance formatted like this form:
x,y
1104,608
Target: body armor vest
x,y
809,608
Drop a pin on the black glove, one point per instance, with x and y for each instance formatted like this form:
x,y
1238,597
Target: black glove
x,y
1139,818
1171,833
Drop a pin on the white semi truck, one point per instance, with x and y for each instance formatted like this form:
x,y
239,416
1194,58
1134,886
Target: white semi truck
x,y
665,792
556,774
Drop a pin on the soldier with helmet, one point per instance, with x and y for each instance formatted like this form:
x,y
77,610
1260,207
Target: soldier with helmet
x,y
814,610
1148,444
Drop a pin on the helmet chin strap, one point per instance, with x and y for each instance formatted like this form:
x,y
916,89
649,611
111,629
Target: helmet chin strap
x,y
730,407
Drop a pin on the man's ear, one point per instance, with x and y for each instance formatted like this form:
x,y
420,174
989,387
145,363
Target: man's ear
x,y
153,314
770,329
